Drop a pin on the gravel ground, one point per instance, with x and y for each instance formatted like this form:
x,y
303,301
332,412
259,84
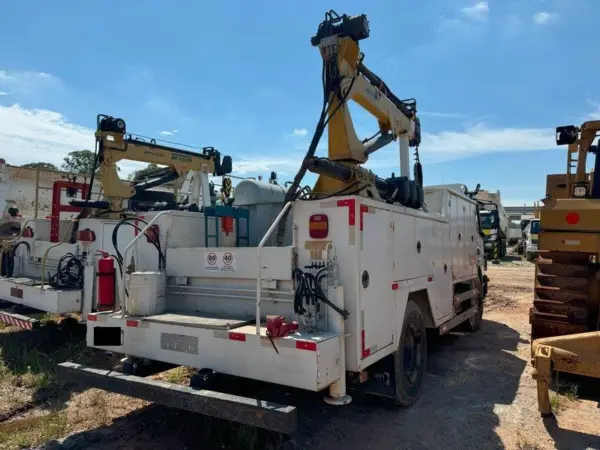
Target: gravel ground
x,y
478,394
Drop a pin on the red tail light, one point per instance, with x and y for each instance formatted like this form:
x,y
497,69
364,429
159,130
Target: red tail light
x,y
28,232
86,235
318,226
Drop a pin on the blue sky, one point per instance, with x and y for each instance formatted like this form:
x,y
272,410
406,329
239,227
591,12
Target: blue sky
x,y
492,80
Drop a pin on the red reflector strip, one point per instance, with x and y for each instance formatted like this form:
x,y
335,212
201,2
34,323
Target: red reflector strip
x,y
306,345
15,322
363,209
365,351
351,204
240,337
92,318
132,323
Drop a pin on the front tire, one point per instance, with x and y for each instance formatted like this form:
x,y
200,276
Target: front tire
x,y
411,357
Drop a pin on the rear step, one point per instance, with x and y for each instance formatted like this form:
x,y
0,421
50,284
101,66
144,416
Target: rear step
x,y
248,411
546,267
562,295
577,313
547,325
560,282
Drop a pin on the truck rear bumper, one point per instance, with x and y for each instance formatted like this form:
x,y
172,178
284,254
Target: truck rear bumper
x,y
28,292
301,360
249,411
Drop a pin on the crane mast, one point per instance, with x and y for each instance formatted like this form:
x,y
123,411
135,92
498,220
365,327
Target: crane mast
x,y
346,77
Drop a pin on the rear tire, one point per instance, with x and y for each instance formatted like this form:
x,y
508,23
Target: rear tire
x,y
411,357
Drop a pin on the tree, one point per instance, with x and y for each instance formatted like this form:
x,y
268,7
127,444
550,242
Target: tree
x,y
41,165
141,172
80,162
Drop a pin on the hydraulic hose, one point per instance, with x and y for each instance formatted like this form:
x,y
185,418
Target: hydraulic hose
x,y
67,233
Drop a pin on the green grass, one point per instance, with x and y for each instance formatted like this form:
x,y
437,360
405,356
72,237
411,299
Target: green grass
x,y
29,358
228,435
568,391
178,375
32,431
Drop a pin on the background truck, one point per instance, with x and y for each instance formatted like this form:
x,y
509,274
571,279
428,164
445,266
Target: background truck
x,y
530,239
494,223
514,233
341,302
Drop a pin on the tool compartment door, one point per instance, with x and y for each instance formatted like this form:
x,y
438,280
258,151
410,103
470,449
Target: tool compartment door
x,y
375,281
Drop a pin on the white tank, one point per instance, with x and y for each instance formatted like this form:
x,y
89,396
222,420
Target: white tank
x,y
251,192
264,202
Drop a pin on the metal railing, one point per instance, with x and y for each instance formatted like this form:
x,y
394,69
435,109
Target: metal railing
x,y
122,296
259,257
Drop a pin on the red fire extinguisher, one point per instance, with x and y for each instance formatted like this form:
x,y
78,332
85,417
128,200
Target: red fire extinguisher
x,y
106,283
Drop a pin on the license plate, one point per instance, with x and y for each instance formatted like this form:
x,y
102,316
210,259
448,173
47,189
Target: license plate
x,y
179,343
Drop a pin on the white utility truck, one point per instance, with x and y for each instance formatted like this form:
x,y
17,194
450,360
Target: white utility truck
x,y
70,262
341,301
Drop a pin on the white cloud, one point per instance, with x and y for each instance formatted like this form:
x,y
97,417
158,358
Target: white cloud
x,y
544,18
30,135
300,132
263,167
441,115
27,82
479,11
482,139
595,114
168,133
478,140
3,93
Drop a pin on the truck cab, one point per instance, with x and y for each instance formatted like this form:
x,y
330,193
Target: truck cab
x,y
530,238
494,242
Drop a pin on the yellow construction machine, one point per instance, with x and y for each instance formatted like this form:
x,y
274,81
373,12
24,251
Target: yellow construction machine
x,y
565,314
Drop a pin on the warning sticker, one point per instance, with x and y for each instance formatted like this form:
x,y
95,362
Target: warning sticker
x,y
219,261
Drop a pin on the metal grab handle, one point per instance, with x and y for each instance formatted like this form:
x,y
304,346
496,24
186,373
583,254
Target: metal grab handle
x,y
259,256
122,296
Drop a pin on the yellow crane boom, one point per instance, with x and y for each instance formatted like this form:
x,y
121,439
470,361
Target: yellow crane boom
x,y
114,145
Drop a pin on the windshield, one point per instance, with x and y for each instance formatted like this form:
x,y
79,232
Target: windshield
x,y
535,227
487,221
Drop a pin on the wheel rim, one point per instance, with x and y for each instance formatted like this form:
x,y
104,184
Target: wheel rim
x,y
413,351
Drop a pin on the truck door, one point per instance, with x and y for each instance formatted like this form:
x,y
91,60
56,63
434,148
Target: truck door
x,y
375,281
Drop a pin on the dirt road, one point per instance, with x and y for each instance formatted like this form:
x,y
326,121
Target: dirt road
x,y
477,394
